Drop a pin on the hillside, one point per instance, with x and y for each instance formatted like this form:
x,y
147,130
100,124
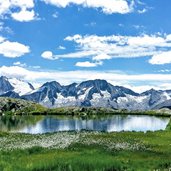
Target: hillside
x,y
18,106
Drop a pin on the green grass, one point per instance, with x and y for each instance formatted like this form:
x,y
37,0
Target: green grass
x,y
94,111
92,151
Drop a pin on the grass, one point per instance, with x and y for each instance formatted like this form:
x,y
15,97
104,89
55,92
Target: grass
x,y
95,111
86,151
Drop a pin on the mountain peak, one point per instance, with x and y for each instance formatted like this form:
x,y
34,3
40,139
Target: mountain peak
x,y
14,84
95,93
5,85
51,83
151,91
3,78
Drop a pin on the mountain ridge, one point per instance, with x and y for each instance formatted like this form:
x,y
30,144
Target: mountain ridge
x,y
90,93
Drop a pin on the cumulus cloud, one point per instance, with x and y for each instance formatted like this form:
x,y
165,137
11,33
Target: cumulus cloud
x,y
26,12
23,10
88,64
47,55
101,57
146,40
145,81
162,58
13,49
107,6
100,48
24,15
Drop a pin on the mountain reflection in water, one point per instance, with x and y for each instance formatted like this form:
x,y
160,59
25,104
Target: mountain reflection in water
x,y
44,124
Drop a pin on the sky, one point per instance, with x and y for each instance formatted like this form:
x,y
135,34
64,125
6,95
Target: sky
x,y
126,42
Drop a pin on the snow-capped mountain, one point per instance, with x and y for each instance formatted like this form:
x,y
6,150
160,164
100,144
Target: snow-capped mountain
x,y
96,93
13,87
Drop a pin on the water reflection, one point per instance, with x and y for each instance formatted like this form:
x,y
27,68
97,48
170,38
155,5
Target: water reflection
x,y
11,123
44,124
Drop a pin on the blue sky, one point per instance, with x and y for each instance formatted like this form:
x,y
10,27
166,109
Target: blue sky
x,y
127,42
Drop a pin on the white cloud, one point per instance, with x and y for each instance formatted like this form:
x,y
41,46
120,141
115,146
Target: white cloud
x,y
164,70
168,37
24,65
35,67
5,29
107,6
115,46
61,47
101,57
138,27
146,40
88,64
22,3
142,11
1,39
18,63
13,49
26,13
161,58
55,15
47,55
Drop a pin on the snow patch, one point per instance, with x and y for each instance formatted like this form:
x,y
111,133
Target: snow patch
x,y
20,86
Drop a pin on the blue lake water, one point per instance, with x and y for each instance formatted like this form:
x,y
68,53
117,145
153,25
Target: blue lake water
x,y
44,124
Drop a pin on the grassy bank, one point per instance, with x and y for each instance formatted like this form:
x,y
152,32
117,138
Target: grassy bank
x,y
10,106
90,111
86,151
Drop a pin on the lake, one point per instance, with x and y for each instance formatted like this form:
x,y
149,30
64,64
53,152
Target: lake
x,y
45,124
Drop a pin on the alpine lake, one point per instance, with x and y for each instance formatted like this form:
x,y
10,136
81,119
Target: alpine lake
x,y
110,123
85,143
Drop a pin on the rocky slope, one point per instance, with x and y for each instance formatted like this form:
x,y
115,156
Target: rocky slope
x,y
18,106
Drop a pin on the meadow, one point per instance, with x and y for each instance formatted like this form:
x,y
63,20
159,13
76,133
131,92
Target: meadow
x,y
85,151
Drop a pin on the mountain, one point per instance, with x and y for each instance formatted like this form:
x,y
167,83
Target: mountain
x,y
5,85
12,87
98,93
165,104
46,94
156,97
94,93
